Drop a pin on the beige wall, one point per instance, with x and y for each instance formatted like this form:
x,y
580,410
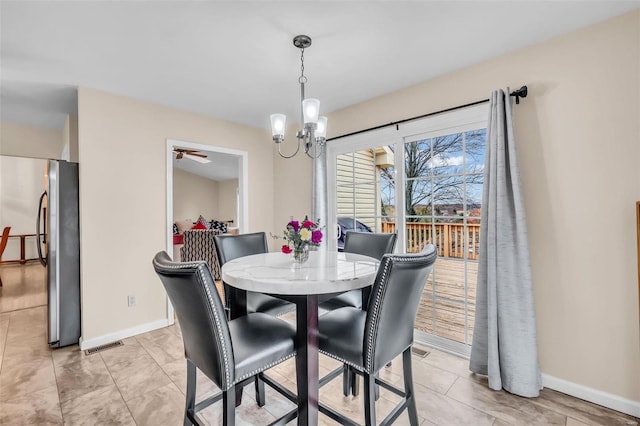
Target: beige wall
x,y
228,201
30,141
70,138
122,149
578,138
21,183
292,183
193,196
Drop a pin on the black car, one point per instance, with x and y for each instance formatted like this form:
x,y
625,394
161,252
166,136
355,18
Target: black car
x,y
349,224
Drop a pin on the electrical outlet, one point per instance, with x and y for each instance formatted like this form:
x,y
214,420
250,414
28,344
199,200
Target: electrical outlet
x,y
131,301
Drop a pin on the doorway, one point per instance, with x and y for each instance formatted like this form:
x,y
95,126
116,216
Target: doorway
x,y
199,162
23,277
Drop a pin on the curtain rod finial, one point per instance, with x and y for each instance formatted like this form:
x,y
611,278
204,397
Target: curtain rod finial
x,y
520,93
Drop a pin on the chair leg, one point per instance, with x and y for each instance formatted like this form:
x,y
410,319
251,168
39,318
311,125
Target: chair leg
x,y
346,379
259,384
355,384
238,395
369,399
408,387
229,407
189,409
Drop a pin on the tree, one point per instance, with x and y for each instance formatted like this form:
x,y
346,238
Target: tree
x,y
434,171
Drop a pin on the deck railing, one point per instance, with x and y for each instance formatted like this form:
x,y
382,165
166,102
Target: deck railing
x,y
449,238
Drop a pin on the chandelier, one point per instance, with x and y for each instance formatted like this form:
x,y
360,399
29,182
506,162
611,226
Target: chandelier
x,y
314,130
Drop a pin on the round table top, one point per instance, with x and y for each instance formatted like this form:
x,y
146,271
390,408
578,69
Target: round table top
x,y
325,272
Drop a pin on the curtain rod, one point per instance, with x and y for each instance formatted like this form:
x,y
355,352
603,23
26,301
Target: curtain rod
x,y
519,93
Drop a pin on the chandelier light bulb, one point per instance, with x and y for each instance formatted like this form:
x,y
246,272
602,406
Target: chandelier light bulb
x,y
321,130
278,124
310,110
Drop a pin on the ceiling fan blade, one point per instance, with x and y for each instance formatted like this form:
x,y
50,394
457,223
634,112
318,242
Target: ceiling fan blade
x,y
197,158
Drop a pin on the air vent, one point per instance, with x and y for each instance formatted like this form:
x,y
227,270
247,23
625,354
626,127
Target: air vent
x,y
420,352
103,347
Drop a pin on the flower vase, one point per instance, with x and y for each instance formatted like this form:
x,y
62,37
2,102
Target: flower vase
x,y
301,253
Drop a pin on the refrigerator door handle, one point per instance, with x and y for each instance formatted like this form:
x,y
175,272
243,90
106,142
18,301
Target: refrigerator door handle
x,y
41,218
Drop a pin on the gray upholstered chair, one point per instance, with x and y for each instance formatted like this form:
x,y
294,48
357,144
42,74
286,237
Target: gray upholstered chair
x,y
368,339
229,247
368,244
230,353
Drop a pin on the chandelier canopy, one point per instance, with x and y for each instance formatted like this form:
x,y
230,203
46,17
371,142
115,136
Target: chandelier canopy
x,y
313,133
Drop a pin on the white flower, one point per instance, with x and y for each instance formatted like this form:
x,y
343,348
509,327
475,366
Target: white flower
x,y
305,234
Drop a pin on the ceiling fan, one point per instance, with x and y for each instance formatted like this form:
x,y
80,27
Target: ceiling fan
x,y
191,154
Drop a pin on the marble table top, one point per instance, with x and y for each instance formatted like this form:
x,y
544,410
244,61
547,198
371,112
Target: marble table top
x,y
325,272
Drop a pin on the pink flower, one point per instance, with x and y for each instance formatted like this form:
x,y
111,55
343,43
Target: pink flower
x,y
316,237
286,249
295,225
308,224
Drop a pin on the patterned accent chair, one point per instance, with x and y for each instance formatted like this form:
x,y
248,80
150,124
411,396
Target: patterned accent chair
x,y
199,245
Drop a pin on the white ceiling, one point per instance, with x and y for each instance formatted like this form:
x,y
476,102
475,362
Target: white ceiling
x,y
222,166
235,60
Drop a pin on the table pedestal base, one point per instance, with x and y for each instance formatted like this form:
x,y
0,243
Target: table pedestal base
x,y
307,359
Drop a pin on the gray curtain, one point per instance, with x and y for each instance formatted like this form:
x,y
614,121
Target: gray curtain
x,y
504,337
319,195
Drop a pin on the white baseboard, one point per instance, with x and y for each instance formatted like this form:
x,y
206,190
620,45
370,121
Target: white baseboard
x,y
605,399
122,334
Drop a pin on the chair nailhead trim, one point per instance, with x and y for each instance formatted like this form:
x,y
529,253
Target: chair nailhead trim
x,y
260,370
344,361
225,356
200,267
389,260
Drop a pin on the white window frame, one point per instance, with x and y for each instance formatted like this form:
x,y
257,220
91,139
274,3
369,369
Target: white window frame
x,y
437,125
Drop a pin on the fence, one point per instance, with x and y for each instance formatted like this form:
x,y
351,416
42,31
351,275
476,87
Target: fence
x,y
449,238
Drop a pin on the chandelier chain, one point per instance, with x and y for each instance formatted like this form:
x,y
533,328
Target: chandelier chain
x,y
302,79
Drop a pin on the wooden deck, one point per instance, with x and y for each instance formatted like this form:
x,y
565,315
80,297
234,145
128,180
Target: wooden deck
x,y
447,297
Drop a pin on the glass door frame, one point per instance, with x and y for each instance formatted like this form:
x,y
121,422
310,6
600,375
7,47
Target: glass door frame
x,y
462,120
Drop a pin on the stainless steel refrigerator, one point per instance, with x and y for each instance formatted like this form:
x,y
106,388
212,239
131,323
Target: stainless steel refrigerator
x,y
58,231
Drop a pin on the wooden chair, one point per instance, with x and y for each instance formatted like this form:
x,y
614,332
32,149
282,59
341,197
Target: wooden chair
x,y
3,244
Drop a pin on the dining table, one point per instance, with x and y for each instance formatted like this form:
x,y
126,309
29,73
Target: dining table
x,y
324,275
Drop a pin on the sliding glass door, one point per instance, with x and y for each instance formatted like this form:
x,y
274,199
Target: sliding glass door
x,y
425,184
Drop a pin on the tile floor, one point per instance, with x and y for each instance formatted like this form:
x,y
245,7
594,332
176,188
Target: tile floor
x,y
23,286
143,383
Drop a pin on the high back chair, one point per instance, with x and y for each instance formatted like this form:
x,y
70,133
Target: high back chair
x,y
368,244
3,244
368,340
230,353
229,247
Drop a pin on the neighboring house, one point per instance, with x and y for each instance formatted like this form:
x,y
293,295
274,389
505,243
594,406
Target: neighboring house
x,y
358,179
